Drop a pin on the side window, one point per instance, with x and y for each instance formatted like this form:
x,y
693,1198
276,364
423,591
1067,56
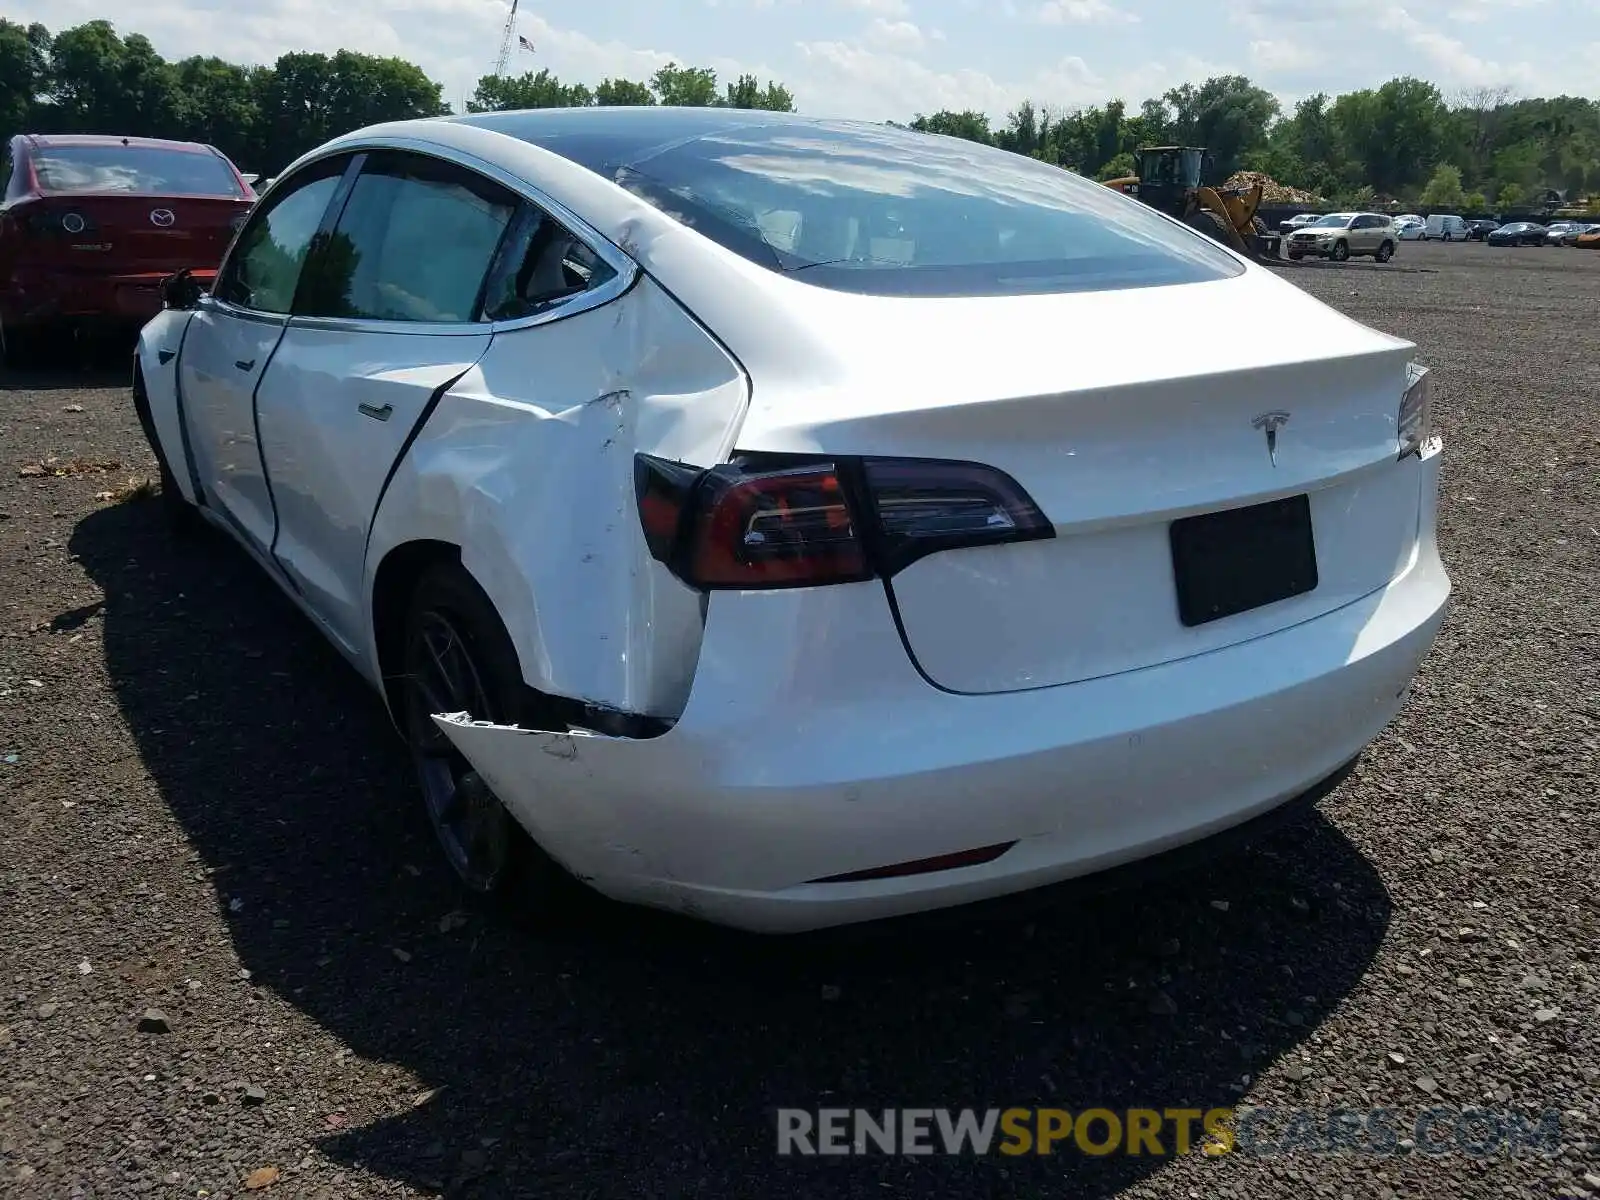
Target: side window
x,y
541,266
414,243
264,268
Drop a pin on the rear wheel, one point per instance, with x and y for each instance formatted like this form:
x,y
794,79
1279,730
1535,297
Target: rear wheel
x,y
1341,251
1385,252
459,658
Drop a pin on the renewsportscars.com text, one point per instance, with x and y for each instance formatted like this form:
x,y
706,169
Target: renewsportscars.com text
x,y
1475,1132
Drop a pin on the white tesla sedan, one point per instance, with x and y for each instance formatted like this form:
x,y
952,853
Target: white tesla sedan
x,y
793,522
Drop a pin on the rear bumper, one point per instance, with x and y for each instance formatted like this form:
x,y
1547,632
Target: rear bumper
x,y
810,748
33,297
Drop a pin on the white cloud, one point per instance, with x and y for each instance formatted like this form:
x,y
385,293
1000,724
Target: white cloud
x,y
888,8
1278,54
1447,54
1082,12
895,35
1482,10
843,79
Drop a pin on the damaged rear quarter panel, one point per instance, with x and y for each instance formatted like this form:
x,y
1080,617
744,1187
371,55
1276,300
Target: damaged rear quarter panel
x,y
527,464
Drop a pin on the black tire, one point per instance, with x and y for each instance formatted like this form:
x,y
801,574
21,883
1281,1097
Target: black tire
x,y
1295,255
1213,226
1341,251
1385,251
459,657
26,348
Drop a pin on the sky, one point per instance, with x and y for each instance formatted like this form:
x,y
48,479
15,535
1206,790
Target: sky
x,y
891,59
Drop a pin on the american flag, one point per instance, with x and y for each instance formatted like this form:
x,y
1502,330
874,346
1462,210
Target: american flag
x,y
525,43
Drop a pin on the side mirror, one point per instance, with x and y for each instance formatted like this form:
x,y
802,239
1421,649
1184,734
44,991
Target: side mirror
x,y
181,291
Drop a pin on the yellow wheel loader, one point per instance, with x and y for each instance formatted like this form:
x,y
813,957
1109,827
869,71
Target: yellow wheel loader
x,y
1172,179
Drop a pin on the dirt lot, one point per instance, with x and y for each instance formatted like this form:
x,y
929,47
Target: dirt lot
x,y
202,811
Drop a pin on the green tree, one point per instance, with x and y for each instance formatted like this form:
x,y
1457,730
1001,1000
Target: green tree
x,y
623,92
496,93
1395,133
305,99
218,104
748,92
1510,195
1444,189
685,87
1227,114
973,126
1122,165
99,81
24,74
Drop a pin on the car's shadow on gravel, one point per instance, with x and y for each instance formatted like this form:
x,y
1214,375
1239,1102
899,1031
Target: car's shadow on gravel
x,y
646,1056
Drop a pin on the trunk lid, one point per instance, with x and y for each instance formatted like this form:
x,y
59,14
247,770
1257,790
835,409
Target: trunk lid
x,y
1120,413
130,234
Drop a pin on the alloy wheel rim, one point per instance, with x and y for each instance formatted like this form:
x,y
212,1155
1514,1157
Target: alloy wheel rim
x,y
466,815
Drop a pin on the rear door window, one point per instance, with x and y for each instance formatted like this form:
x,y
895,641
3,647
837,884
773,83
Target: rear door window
x,y
263,272
414,243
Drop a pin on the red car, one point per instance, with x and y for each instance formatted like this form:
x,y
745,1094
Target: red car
x,y
90,225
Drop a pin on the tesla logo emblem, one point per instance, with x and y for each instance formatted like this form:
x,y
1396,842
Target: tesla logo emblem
x,y
162,218
1269,423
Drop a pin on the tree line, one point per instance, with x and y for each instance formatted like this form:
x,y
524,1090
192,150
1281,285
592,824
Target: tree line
x,y
90,79
1404,140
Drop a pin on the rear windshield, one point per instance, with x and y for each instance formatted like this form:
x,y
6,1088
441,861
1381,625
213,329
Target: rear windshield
x,y
145,169
890,211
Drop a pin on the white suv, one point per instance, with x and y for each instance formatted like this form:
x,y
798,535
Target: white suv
x,y
1339,235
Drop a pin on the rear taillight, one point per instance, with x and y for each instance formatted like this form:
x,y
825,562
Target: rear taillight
x,y
56,223
1415,421
764,523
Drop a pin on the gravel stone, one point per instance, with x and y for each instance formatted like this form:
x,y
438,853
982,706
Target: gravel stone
x,y
162,772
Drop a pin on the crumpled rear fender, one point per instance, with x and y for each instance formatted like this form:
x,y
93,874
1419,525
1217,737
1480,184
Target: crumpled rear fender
x,y
158,352
526,464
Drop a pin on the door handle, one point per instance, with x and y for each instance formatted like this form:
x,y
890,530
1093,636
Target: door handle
x,y
377,414
245,364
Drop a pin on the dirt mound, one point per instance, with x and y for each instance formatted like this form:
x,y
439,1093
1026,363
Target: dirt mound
x,y
1272,192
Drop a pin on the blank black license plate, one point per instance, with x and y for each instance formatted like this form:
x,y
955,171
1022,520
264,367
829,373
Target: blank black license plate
x,y
1230,562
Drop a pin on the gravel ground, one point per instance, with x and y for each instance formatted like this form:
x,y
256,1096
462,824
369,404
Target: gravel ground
x,y
203,812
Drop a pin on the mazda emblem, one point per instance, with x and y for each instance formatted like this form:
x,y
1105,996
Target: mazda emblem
x,y
1269,423
162,218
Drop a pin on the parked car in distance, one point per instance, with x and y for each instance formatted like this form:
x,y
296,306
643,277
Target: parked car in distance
x,y
1411,229
1563,233
1445,228
1479,229
1299,221
1589,239
1340,235
1518,233
90,227
1411,217
657,490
